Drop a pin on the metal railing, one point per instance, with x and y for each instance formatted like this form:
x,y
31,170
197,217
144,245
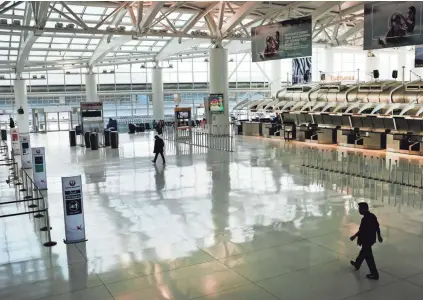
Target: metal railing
x,y
368,167
30,193
217,137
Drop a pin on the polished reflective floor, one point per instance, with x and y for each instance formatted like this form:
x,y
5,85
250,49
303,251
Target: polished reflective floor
x,y
247,225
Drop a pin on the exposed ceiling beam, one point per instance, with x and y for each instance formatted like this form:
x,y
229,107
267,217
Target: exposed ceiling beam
x,y
150,15
210,22
32,37
175,47
79,20
105,46
115,11
2,11
242,11
139,14
200,15
221,16
351,10
324,10
352,31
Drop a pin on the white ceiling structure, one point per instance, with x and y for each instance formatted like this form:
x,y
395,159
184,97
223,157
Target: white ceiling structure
x,y
37,36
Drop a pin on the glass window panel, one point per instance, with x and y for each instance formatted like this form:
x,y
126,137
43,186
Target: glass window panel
x,y
200,77
56,79
72,79
185,77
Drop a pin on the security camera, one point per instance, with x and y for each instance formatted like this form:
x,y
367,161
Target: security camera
x,y
179,40
20,111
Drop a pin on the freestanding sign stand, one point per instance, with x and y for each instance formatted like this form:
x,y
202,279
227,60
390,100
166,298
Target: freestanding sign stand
x,y
16,147
25,151
39,168
73,209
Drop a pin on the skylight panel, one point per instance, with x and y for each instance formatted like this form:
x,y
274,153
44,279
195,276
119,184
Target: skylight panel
x,y
57,40
76,9
147,43
44,39
39,53
94,10
91,18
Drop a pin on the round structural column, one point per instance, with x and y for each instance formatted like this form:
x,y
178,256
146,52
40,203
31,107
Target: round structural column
x,y
371,63
21,101
218,77
157,93
329,62
91,88
275,77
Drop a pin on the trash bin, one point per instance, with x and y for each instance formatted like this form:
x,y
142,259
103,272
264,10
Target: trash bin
x,y
87,139
3,135
72,138
114,139
107,138
94,141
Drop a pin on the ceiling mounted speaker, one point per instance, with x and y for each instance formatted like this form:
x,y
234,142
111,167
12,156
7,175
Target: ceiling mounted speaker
x,y
376,74
394,74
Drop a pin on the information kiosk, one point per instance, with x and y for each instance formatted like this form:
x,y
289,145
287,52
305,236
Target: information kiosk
x,y
182,123
91,118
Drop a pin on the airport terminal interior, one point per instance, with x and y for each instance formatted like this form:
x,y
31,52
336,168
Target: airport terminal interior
x,y
211,150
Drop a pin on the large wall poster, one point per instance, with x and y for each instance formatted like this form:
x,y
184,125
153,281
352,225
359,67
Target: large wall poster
x,y
286,39
419,56
392,24
301,70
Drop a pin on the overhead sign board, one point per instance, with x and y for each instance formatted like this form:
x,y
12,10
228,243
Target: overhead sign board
x,y
39,174
286,39
26,157
73,209
389,24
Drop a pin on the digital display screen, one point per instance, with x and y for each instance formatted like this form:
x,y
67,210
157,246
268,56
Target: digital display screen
x,y
183,115
216,103
25,145
38,160
39,168
91,114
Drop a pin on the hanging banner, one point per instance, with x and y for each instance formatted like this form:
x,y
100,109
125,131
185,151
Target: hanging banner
x,y
390,24
14,137
39,168
26,157
301,70
73,209
418,56
285,39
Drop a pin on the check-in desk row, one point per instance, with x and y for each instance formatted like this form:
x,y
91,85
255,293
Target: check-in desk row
x,y
402,134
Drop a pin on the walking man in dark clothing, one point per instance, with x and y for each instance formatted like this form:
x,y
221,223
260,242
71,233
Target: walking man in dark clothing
x,y
158,149
366,235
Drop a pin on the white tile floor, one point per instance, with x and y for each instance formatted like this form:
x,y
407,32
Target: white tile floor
x,y
248,225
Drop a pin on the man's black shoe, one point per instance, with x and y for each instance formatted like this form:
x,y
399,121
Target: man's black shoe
x,y
354,264
373,277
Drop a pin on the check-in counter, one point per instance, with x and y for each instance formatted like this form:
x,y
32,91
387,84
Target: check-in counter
x,y
266,127
404,143
252,128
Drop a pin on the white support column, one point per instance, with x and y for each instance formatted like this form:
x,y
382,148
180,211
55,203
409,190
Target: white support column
x,y
91,88
329,62
402,63
371,63
218,77
275,77
157,94
21,102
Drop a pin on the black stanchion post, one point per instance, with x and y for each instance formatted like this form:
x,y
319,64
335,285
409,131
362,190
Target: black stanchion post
x,y
49,242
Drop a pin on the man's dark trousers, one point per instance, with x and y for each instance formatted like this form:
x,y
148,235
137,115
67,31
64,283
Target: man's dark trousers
x,y
161,154
366,253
